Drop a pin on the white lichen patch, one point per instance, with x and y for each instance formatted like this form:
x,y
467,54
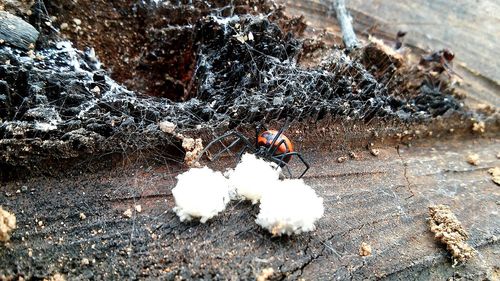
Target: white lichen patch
x,y
291,207
253,176
200,193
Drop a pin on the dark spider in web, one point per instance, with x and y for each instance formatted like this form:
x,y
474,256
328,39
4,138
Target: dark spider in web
x,y
270,145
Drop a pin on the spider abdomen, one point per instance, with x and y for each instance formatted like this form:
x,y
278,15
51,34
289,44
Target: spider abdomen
x,y
282,143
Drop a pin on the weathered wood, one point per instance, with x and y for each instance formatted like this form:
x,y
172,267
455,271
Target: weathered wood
x,y
471,32
16,32
380,200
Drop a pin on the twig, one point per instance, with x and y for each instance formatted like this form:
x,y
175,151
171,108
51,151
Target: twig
x,y
345,21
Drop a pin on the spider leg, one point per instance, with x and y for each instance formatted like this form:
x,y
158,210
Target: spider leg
x,y
243,150
226,148
294,153
282,163
239,137
259,128
287,122
271,153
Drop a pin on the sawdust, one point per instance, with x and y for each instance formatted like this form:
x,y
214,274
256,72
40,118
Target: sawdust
x,y
448,230
365,249
473,159
7,224
265,274
495,174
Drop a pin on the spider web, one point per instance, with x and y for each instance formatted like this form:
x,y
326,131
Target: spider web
x,y
246,71
65,106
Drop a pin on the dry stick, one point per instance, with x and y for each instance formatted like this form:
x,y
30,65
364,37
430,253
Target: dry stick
x,y
345,21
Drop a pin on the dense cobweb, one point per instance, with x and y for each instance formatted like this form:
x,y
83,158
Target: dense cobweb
x,y
246,71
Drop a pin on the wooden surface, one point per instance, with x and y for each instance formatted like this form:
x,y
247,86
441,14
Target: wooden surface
x,y
380,200
16,32
470,28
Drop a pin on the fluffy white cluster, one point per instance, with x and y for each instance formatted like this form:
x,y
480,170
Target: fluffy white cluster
x,y
252,177
200,193
291,206
286,206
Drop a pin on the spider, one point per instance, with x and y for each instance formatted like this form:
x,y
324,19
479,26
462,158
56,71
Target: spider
x,y
270,145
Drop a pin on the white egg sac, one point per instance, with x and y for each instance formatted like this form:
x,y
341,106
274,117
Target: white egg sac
x,y
200,193
292,207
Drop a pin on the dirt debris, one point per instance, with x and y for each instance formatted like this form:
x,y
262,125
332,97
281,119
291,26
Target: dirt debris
x,y
167,127
265,274
365,249
85,261
495,174
82,216
138,208
479,127
448,230
20,8
341,159
374,151
193,149
128,213
473,159
7,225
55,277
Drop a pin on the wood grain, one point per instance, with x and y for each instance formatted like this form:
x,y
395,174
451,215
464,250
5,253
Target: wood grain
x,y
16,32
